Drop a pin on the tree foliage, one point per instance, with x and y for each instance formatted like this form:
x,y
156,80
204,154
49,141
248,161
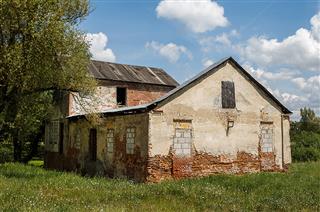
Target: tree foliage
x,y
41,51
305,137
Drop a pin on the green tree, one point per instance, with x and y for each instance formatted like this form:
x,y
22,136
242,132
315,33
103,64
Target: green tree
x,y
42,51
309,121
305,136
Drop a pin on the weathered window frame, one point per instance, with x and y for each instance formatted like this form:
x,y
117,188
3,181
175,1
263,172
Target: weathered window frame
x,y
110,141
53,135
130,140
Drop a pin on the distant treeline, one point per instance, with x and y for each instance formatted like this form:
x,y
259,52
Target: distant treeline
x,y
305,137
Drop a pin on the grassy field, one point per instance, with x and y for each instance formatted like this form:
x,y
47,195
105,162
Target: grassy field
x,y
29,188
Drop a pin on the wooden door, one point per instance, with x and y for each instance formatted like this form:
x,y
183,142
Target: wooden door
x,y
93,144
61,135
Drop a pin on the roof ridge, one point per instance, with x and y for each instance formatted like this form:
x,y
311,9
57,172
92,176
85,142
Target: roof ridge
x,y
151,105
142,66
131,73
214,66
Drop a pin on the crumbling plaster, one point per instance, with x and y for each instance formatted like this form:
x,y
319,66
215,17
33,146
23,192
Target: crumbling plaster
x,y
118,163
202,105
105,96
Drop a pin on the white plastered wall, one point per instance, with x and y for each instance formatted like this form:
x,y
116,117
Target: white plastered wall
x,y
202,105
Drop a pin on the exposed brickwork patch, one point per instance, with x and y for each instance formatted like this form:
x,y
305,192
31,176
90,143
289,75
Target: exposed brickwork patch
x,y
204,164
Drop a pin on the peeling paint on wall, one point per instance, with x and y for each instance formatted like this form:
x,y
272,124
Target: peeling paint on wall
x,y
189,136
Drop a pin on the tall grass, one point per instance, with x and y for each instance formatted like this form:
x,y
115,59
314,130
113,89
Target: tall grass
x,y
29,188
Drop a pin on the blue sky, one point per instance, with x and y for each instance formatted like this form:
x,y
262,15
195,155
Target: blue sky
x,y
278,42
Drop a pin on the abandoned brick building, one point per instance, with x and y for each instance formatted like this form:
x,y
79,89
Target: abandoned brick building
x,y
220,121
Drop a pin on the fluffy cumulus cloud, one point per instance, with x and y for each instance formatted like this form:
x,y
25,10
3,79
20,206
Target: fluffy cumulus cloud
x,y
293,101
315,26
198,16
261,74
207,62
309,85
311,89
300,51
219,42
98,47
170,51
304,91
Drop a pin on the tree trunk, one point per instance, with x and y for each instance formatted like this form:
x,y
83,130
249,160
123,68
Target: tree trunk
x,y
17,150
10,116
33,150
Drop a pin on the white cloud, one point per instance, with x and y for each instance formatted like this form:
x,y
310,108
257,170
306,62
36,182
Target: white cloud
x,y
293,101
198,16
218,42
310,87
306,95
315,26
282,74
223,39
290,99
311,84
98,43
300,51
207,62
170,51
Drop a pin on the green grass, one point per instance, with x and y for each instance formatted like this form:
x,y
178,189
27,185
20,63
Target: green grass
x,y
30,188
37,163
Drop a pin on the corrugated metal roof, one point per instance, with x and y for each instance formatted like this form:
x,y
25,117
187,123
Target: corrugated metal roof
x,y
130,73
211,69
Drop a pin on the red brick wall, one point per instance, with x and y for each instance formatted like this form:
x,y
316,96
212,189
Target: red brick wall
x,y
138,93
203,164
138,97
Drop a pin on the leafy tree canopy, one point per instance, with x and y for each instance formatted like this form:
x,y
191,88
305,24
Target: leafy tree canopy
x,y
41,51
305,136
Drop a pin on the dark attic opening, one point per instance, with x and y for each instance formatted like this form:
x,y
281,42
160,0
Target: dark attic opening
x,y
121,96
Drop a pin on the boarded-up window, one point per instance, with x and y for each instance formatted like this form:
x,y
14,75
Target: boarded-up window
x,y
266,137
110,140
93,144
130,139
182,142
227,94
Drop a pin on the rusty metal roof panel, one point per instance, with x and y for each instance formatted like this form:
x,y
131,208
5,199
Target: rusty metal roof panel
x,y
130,73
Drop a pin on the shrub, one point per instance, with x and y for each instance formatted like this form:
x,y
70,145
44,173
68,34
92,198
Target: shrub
x,y
6,152
305,146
